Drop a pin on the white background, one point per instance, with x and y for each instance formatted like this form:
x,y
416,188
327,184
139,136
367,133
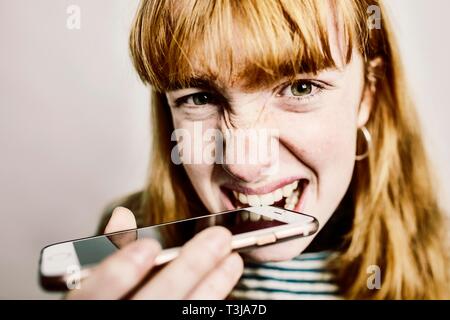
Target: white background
x,y
74,130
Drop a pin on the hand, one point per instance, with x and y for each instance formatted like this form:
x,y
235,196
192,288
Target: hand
x,y
205,269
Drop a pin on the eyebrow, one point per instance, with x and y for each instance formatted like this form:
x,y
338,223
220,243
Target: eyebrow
x,y
194,82
254,78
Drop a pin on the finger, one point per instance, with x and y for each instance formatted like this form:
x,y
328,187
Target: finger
x,y
197,258
219,283
120,273
121,219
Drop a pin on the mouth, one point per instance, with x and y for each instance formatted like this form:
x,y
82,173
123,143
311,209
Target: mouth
x,y
286,195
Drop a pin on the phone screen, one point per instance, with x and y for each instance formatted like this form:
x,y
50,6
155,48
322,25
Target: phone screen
x,y
92,251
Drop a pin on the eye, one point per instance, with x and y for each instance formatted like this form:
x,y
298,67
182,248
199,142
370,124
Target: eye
x,y
196,99
199,98
302,90
299,89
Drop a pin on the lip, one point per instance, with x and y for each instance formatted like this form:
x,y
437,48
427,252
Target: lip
x,y
266,189
261,190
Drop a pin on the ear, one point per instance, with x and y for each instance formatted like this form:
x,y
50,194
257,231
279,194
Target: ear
x,y
370,88
365,107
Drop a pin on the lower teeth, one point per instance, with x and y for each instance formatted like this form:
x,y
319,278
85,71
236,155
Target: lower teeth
x,y
245,216
254,216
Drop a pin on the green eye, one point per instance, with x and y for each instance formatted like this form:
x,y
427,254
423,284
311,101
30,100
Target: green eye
x,y
200,98
301,88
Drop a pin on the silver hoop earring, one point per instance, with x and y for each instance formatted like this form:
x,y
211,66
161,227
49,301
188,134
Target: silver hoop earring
x,y
368,139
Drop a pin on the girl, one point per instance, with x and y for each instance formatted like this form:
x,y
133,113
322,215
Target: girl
x,y
349,142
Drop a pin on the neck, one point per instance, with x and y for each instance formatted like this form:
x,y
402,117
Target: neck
x,y
331,237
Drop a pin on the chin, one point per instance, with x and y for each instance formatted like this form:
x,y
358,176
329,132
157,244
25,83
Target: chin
x,y
278,252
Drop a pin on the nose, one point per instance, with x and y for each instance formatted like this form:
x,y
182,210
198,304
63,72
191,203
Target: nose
x,y
250,138
245,173
251,155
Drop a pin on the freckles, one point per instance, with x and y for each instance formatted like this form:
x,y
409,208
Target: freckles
x,y
321,138
330,143
339,142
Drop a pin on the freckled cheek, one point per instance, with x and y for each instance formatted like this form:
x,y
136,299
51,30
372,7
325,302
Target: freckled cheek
x,y
326,151
325,144
332,147
199,173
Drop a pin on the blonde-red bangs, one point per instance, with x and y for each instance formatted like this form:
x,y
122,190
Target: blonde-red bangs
x,y
173,43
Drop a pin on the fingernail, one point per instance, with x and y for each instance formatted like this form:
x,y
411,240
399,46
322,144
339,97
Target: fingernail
x,y
117,210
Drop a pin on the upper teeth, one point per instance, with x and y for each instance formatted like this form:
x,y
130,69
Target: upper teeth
x,y
268,199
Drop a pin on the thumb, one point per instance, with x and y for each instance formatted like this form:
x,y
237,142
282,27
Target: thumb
x,y
121,219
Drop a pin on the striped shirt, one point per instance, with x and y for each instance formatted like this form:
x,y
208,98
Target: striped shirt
x,y
304,277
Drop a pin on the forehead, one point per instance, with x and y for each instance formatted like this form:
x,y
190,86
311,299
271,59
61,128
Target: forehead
x,y
250,44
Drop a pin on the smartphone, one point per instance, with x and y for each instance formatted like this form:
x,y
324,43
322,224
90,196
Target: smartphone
x,y
63,264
